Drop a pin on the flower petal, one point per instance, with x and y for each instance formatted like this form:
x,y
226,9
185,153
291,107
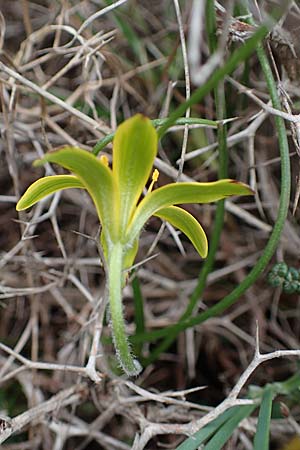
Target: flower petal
x,y
97,179
186,223
134,150
46,186
176,193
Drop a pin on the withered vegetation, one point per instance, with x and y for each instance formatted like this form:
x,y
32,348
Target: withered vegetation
x,y
69,73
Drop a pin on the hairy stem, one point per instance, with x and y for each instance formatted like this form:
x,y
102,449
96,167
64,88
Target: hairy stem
x,y
115,280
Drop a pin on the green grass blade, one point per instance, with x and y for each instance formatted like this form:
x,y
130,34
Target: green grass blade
x,y
262,435
193,442
225,431
133,39
288,386
237,57
102,143
187,121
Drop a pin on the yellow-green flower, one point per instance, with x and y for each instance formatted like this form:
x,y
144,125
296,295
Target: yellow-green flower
x,y
116,193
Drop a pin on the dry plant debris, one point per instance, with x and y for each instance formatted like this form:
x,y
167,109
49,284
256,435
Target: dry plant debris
x,y
69,73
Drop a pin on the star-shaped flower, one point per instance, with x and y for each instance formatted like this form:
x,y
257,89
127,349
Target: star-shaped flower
x,y
116,193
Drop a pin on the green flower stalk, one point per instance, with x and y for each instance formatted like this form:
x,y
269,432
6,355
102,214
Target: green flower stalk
x,y
116,193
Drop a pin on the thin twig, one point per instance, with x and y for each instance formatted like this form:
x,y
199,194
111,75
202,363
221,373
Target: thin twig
x,y
97,125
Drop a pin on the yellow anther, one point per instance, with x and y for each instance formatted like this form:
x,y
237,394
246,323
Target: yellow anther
x,y
155,176
104,160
